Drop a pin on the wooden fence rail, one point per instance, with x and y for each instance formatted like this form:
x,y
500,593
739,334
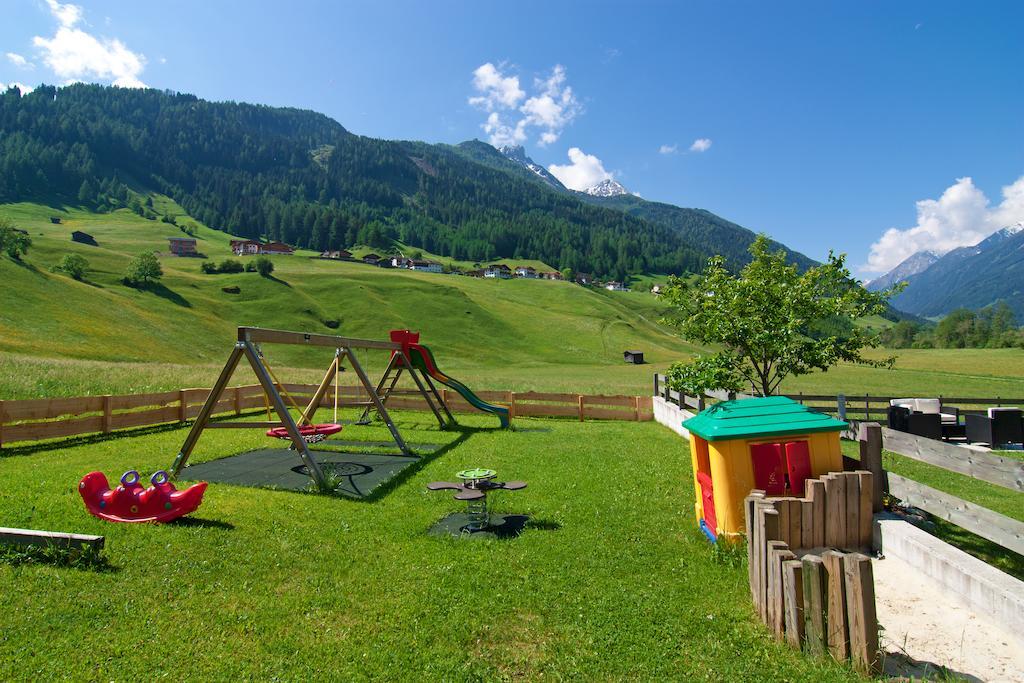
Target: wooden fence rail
x,y
37,419
864,406
1000,529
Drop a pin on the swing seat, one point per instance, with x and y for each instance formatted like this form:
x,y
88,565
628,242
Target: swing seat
x,y
311,433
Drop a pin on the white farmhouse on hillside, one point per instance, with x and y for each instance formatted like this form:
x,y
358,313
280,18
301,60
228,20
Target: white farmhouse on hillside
x,y
616,287
526,271
499,271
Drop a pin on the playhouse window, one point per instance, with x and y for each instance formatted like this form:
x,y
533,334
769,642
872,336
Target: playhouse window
x,y
780,467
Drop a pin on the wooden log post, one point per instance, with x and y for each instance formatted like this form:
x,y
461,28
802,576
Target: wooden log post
x,y
837,636
182,406
753,531
816,492
236,395
579,399
862,622
869,434
768,519
796,521
793,601
835,511
636,407
815,605
778,551
107,413
866,485
852,530
511,404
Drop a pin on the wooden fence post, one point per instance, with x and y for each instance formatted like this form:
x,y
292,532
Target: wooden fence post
x,y
636,407
841,406
860,605
815,605
869,435
238,401
580,401
838,637
3,417
511,404
106,414
656,392
182,406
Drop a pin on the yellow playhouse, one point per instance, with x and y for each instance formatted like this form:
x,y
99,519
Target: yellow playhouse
x,y
771,443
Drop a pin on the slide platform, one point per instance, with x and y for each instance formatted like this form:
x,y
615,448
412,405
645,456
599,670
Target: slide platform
x,y
423,360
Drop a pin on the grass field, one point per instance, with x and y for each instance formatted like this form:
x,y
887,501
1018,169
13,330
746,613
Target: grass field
x,y
611,580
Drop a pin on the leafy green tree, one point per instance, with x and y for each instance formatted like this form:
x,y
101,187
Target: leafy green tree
x,y
567,274
762,319
86,192
901,335
143,269
73,265
264,266
13,242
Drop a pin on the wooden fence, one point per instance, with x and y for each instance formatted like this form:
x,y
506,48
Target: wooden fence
x,y
994,469
49,418
814,596
859,407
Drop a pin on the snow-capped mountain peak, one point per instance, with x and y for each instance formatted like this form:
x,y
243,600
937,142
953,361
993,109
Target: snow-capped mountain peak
x,y
607,188
517,154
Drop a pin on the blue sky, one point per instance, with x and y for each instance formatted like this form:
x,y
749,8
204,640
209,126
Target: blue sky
x,y
874,129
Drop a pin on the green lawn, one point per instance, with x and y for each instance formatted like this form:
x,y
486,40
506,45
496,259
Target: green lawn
x,y
612,579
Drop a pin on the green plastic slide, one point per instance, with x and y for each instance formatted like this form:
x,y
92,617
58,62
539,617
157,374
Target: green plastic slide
x,y
423,359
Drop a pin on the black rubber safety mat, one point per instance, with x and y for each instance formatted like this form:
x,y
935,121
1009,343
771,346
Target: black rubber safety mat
x,y
356,474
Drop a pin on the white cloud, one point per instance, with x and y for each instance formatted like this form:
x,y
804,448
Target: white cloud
x,y
961,217
75,55
501,134
700,145
584,171
668,149
497,90
552,107
25,89
19,61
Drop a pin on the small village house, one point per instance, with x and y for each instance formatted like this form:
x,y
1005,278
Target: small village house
x,y
336,254
372,259
616,287
182,246
551,275
584,279
498,271
278,248
527,272
634,357
244,247
425,266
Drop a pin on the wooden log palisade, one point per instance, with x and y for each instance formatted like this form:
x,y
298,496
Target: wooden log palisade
x,y
810,577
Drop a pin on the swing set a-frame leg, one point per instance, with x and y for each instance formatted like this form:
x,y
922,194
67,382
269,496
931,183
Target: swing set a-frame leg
x,y
204,413
430,402
377,403
364,418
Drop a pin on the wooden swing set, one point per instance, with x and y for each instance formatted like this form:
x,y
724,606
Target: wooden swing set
x,y
303,431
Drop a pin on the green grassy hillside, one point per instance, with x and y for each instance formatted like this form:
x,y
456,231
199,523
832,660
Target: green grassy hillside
x,y
538,328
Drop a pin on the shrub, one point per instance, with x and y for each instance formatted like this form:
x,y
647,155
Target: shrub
x,y
250,267
264,266
13,241
231,289
72,265
143,269
230,265
208,267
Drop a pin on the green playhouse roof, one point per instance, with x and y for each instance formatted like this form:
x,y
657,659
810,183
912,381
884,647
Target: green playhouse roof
x,y
759,417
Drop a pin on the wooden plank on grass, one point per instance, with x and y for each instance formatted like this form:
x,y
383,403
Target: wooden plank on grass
x,y
862,621
993,526
23,538
815,604
816,492
1007,472
851,538
835,511
793,601
837,636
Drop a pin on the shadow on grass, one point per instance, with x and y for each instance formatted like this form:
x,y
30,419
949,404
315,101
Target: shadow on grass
x,y
86,439
57,557
201,523
543,525
165,293
277,280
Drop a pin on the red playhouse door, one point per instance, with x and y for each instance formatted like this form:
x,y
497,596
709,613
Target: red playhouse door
x,y
707,497
798,465
769,473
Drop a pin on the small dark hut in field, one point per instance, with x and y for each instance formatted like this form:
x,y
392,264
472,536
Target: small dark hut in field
x,y
83,238
55,220
634,357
